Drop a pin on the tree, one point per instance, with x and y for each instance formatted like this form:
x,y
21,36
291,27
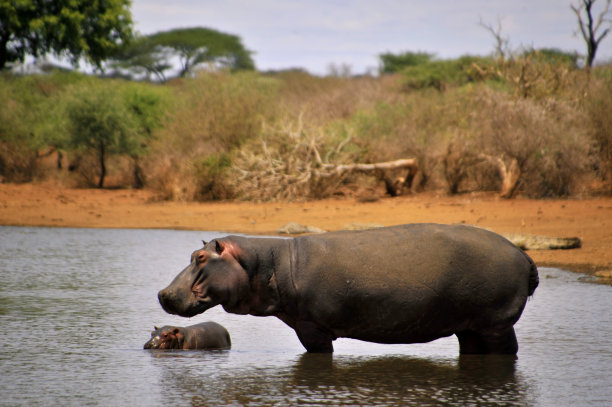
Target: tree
x,y
98,120
502,44
74,28
141,56
590,29
391,63
195,46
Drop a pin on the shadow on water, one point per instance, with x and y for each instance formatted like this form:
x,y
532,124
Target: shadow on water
x,y
318,379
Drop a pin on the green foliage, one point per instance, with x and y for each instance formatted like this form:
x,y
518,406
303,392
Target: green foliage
x,y
110,121
218,112
66,27
391,63
223,135
142,57
554,56
30,119
98,120
439,74
196,46
32,112
213,179
146,105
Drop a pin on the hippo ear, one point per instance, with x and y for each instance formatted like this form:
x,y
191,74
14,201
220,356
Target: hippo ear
x,y
219,247
176,331
155,328
204,243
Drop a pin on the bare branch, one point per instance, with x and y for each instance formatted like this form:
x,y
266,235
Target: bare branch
x,y
578,11
501,43
592,26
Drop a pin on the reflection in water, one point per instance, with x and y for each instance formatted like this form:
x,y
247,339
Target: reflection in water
x,y
319,379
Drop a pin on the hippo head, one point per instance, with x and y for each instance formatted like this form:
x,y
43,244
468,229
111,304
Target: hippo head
x,y
215,276
167,337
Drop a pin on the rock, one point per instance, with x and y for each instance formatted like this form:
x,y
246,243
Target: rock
x,y
533,242
361,226
604,274
293,228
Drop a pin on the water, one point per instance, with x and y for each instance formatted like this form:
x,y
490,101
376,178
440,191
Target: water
x,y
76,306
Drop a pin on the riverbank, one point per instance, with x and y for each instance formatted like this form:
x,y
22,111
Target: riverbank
x,y
588,219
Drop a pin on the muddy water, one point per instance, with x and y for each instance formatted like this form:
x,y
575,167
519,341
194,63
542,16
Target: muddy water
x,y
76,306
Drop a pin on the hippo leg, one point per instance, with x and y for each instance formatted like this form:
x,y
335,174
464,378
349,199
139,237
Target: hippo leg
x,y
471,342
314,338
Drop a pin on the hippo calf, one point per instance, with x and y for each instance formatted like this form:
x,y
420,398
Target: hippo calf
x,y
207,335
400,284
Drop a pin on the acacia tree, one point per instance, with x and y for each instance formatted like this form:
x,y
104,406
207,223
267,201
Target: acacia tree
x,y
97,122
142,56
195,46
74,28
590,29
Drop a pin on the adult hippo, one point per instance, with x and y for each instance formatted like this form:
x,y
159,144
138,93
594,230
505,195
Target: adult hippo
x,y
207,335
400,284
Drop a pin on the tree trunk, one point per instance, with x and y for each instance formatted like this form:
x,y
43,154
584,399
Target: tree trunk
x,y
101,152
509,174
138,173
3,51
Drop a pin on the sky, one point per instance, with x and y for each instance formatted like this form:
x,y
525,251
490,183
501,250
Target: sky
x,y
315,34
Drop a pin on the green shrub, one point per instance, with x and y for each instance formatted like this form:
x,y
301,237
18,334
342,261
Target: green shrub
x,y
440,74
213,182
391,63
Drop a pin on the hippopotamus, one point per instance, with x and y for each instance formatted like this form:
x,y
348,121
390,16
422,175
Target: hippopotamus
x,y
207,335
401,284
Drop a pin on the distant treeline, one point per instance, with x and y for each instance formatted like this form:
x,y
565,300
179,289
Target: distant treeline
x,y
534,125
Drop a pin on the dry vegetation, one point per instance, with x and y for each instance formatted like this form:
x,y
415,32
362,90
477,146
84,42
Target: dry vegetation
x,y
520,127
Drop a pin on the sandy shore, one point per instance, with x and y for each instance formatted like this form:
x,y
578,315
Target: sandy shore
x,y
588,219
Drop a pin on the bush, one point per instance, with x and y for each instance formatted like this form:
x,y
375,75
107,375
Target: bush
x,y
443,73
261,137
391,63
599,115
213,178
212,115
109,118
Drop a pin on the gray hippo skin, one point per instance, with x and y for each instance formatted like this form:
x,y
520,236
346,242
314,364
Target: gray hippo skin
x,y
207,335
400,284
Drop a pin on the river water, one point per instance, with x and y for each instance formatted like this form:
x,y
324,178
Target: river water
x,y
76,306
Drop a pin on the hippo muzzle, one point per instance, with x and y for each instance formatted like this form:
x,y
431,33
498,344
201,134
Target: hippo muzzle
x,y
213,277
182,298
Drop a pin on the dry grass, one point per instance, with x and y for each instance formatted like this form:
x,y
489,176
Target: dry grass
x,y
270,137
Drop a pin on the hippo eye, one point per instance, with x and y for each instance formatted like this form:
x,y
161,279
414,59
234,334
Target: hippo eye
x,y
201,258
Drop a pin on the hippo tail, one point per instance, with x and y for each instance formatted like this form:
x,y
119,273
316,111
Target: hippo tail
x,y
534,279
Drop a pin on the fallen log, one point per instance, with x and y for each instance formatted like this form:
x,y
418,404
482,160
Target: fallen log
x,y
294,228
533,242
337,169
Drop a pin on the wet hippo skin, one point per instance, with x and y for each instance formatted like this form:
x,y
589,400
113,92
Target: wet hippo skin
x,y
207,335
400,284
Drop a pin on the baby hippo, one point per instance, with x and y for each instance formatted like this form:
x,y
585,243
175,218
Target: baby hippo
x,y
207,335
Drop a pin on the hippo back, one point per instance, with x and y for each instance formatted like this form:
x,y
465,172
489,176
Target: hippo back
x,y
430,280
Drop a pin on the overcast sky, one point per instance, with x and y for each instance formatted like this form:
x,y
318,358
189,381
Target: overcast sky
x,y
314,34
